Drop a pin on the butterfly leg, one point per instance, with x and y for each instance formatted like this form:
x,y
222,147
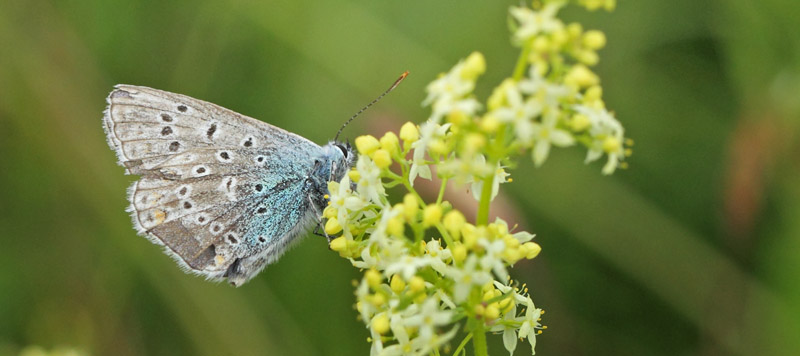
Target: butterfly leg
x,y
319,231
319,226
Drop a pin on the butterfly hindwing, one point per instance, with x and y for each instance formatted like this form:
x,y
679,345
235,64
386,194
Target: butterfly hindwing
x,y
224,193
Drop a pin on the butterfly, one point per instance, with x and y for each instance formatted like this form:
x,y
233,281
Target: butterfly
x,y
223,193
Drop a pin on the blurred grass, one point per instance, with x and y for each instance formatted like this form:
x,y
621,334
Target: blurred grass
x,y
655,260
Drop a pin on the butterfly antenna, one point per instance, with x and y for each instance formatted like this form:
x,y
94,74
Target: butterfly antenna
x,y
394,85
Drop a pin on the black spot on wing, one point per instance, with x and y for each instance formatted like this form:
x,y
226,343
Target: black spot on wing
x,y
211,130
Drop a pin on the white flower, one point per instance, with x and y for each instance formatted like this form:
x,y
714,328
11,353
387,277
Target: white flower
x,y
345,201
603,126
509,329
532,23
519,112
517,109
518,298
530,324
381,250
547,134
549,93
369,185
445,298
367,309
429,317
407,266
449,93
438,255
428,131
493,259
466,277
449,86
377,343
477,180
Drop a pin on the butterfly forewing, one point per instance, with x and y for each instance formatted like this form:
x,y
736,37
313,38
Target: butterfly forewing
x,y
217,187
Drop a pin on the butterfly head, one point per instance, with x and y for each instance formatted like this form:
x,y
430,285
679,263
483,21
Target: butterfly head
x,y
341,157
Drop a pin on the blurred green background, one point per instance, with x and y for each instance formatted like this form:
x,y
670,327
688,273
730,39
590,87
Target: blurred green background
x,y
694,250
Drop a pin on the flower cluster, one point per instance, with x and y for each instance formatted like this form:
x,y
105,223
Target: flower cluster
x,y
416,289
429,273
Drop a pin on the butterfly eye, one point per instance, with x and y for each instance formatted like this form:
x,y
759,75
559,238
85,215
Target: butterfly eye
x,y
344,150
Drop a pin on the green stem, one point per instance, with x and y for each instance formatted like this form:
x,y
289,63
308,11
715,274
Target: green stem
x,y
462,345
479,343
522,63
445,235
441,191
486,200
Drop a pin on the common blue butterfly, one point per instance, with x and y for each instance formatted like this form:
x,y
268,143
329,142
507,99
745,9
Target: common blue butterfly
x,y
223,193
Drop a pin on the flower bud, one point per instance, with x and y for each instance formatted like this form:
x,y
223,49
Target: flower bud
x,y
395,226
330,212
332,226
367,144
373,278
416,284
611,144
532,249
338,244
431,215
474,66
492,311
397,284
380,324
459,253
489,123
579,122
410,207
453,222
581,77
409,133
594,39
354,175
382,158
390,143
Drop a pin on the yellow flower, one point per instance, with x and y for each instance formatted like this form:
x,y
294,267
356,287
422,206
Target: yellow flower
x,y
354,175
453,221
390,143
611,145
373,278
416,284
367,144
380,324
397,284
581,76
474,66
594,39
410,207
459,253
338,244
332,226
532,249
579,122
395,226
382,158
409,133
431,215
492,311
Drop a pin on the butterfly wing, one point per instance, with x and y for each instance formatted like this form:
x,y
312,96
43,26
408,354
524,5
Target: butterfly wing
x,y
224,193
